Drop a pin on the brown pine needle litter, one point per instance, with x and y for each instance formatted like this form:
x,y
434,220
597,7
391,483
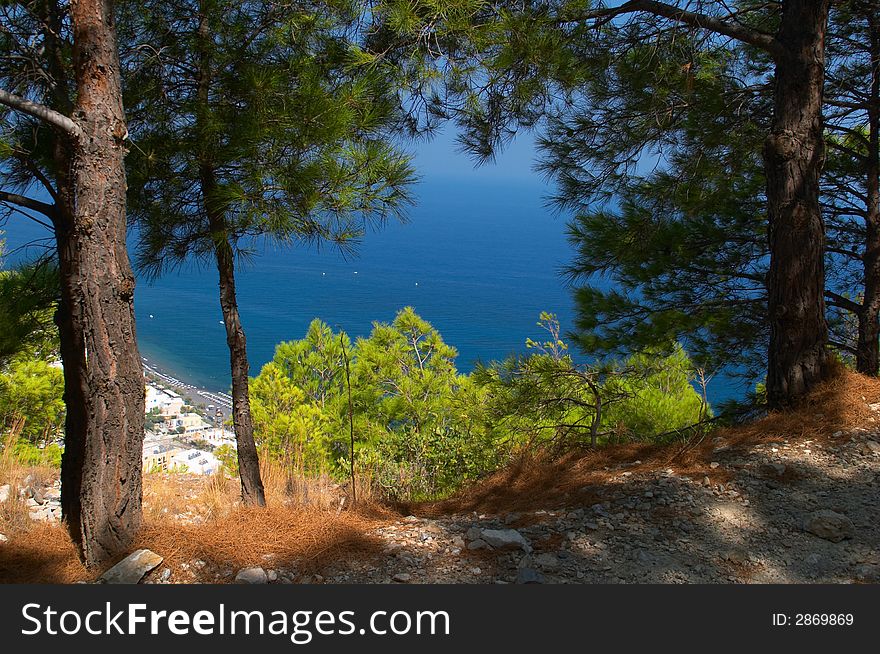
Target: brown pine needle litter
x,y
302,537
191,519
840,404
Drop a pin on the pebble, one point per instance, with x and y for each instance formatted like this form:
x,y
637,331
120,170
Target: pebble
x,y
255,575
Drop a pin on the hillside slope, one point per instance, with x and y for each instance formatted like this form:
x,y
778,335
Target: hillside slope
x,y
791,498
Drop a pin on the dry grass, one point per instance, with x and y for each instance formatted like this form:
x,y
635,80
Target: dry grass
x,y
192,518
543,482
187,518
302,538
42,554
14,511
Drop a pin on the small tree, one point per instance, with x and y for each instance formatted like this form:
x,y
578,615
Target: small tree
x,y
255,120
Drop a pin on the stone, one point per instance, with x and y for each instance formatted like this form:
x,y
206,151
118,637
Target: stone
x,y
773,469
829,525
272,576
132,568
735,556
506,539
402,577
255,575
473,533
529,576
478,544
714,465
547,561
166,574
872,447
5,491
4,538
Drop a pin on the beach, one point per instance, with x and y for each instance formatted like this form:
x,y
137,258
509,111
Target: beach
x,y
207,397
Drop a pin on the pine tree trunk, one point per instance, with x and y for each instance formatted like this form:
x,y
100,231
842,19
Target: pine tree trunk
x,y
104,382
868,349
252,492
248,461
794,155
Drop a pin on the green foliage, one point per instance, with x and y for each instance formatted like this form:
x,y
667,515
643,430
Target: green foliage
x,y
422,429
658,396
227,456
26,453
27,306
153,418
272,129
285,425
415,422
548,398
31,391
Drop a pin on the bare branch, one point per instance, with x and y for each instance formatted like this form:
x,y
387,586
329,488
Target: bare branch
x,y
42,112
47,210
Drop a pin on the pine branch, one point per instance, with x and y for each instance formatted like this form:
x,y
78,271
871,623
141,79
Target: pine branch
x,y
42,112
47,210
734,30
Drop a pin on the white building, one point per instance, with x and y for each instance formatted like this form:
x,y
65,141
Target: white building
x,y
166,401
196,462
218,436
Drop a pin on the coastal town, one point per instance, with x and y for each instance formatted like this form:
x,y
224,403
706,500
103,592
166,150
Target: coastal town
x,y
185,427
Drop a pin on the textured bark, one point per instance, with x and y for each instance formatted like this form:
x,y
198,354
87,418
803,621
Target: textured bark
x,y
252,492
794,155
104,383
868,348
248,461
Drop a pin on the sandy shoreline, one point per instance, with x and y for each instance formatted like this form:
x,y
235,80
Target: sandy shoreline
x,y
185,389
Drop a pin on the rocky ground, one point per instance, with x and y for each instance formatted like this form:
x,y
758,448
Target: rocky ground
x,y
788,511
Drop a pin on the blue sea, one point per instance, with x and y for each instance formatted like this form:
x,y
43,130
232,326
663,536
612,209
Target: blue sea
x,y
478,263
479,258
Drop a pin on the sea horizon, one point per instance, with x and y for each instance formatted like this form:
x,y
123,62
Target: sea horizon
x,y
480,257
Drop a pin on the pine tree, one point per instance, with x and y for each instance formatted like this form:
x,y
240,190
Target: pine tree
x,y
249,121
66,132
522,60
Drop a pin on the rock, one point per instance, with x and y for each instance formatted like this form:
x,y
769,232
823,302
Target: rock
x,y
868,572
735,556
272,575
506,539
478,544
4,538
255,575
473,533
166,574
5,491
529,576
547,561
829,525
773,469
132,568
873,447
714,465
41,515
402,577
